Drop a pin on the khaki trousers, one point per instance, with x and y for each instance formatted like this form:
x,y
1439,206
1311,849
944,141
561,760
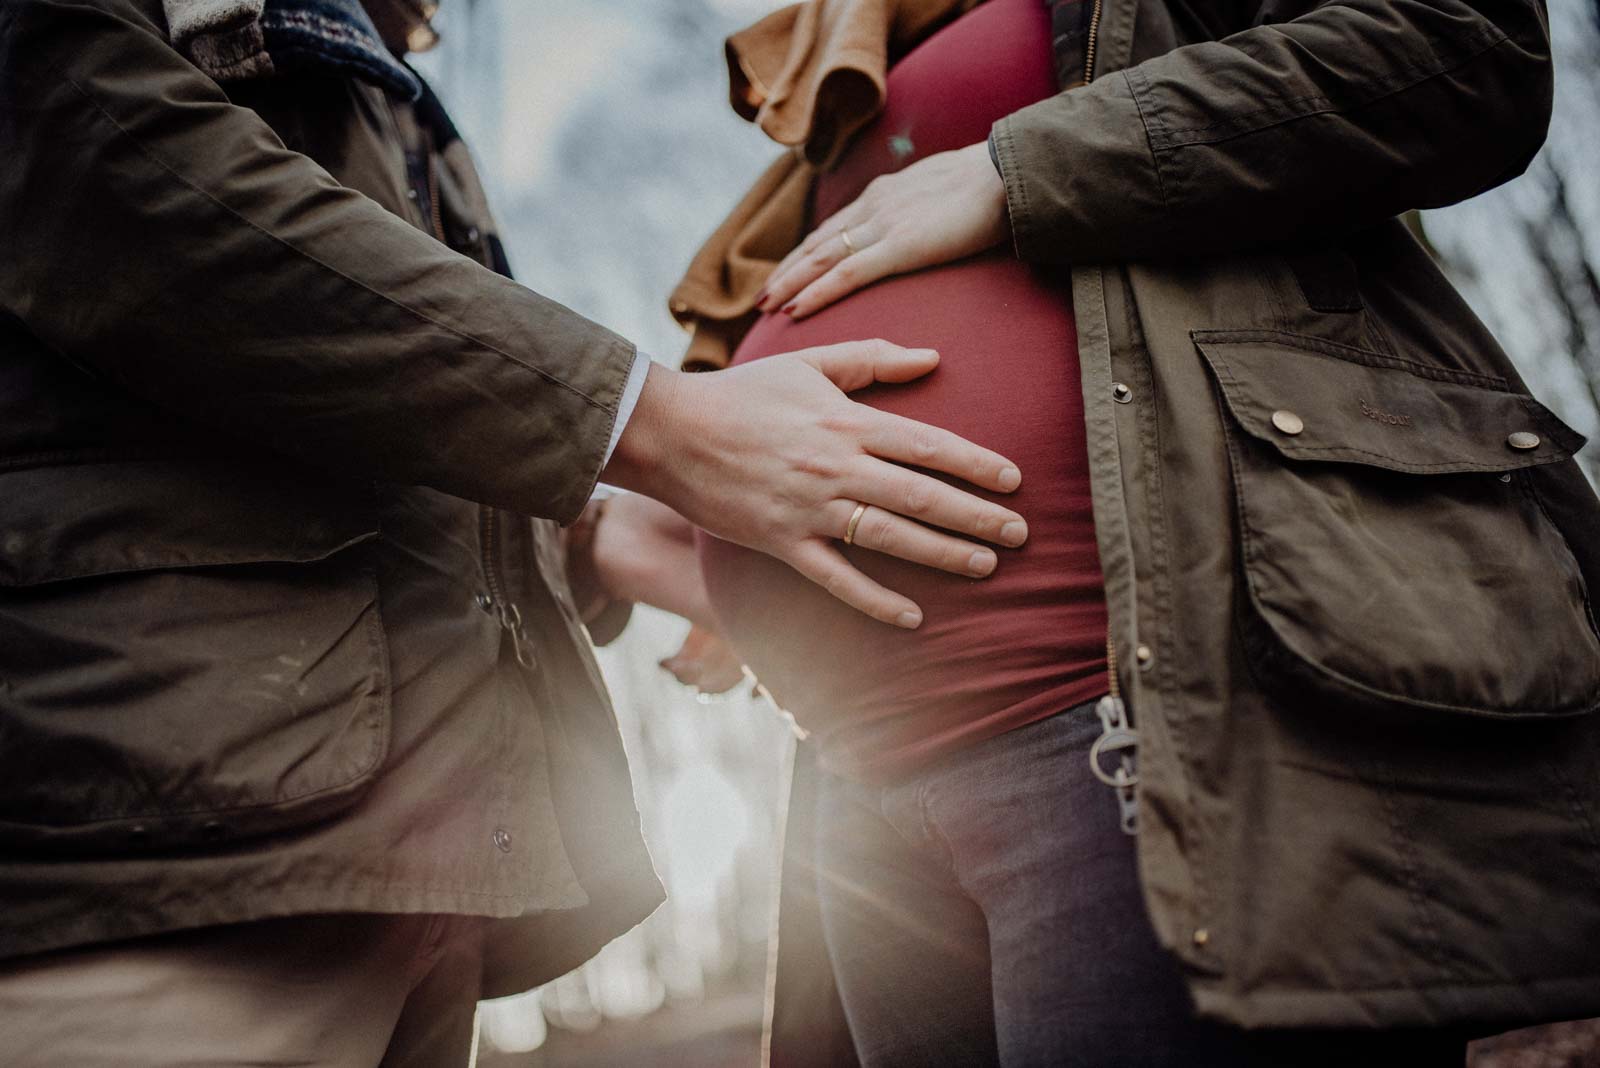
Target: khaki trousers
x,y
354,991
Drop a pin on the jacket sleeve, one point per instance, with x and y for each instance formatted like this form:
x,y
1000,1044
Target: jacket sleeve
x,y
1355,111
159,236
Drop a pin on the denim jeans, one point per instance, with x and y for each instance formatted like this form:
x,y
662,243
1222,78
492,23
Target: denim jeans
x,y
986,911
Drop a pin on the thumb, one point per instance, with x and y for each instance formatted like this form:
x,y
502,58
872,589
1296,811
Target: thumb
x,y
853,365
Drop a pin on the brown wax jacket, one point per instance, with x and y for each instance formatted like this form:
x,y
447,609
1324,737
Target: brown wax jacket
x,y
276,633
1347,556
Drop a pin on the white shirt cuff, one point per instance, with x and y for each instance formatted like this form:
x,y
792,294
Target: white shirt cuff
x,y
630,398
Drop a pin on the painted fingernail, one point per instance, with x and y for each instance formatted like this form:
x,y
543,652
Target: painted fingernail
x,y
761,297
982,562
1010,479
788,309
1014,532
910,620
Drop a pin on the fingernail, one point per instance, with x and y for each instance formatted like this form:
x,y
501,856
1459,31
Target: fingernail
x,y
1010,479
910,620
1014,532
761,297
982,562
788,309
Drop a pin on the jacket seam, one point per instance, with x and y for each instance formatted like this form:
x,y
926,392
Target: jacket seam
x,y
1149,117
85,457
1355,354
196,561
1405,847
1016,182
1474,45
303,254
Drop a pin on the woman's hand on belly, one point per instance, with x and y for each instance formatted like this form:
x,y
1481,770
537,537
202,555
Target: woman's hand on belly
x,y
943,208
773,456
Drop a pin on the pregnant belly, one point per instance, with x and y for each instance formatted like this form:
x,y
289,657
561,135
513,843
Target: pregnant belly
x,y
991,654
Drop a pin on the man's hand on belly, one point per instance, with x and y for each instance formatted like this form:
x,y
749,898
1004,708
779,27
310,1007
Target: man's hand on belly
x,y
772,455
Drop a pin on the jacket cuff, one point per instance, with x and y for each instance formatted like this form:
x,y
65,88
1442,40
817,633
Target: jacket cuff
x,y
1082,185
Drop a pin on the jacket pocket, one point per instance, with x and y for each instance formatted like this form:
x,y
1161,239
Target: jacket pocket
x,y
189,653
1394,552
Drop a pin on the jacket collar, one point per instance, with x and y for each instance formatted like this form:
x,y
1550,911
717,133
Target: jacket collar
x,y
333,36
236,39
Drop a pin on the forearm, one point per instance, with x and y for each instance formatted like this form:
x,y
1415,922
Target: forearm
x,y
1350,114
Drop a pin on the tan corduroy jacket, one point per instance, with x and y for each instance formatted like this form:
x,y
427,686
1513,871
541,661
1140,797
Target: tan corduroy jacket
x,y
809,75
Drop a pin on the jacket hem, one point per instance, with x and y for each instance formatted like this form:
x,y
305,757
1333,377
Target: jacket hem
x,y
1485,1008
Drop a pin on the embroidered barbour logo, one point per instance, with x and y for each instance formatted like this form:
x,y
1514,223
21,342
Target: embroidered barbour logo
x,y
1387,418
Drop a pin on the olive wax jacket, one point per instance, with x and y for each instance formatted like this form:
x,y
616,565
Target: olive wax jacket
x,y
1347,558
276,633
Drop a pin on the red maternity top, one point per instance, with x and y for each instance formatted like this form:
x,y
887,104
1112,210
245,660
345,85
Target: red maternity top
x,y
992,654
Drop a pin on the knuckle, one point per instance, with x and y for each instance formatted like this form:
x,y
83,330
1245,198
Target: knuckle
x,y
847,273
991,523
844,421
924,444
836,585
881,533
916,499
815,464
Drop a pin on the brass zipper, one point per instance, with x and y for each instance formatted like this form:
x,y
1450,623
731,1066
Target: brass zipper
x,y
1113,686
1088,50
433,190
510,616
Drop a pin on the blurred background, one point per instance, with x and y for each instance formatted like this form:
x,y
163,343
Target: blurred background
x,y
604,134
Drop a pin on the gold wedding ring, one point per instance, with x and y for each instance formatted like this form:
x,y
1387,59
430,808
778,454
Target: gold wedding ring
x,y
855,521
849,245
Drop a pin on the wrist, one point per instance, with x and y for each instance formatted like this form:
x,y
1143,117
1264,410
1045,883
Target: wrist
x,y
990,184
642,452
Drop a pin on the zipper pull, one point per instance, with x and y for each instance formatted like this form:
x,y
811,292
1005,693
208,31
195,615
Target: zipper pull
x,y
511,623
1117,735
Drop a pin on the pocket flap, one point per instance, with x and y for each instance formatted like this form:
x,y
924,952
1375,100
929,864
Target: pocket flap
x,y
77,521
1360,408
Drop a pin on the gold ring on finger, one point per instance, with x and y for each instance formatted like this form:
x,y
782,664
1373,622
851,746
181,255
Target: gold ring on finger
x,y
849,245
855,521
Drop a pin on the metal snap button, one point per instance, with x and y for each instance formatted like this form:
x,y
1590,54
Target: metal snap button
x,y
1121,393
502,839
473,235
1522,439
485,602
1287,422
1143,655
